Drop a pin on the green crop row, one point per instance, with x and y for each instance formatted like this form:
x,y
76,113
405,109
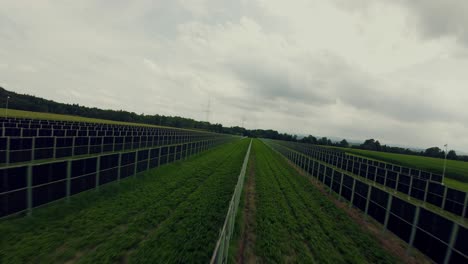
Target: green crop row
x,y
169,214
296,223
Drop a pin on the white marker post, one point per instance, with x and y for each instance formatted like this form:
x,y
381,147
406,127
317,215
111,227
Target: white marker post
x,y
445,164
6,108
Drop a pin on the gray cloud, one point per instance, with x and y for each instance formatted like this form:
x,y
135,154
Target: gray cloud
x,y
433,18
301,67
441,18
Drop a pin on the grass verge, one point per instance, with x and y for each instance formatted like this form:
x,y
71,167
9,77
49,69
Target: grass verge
x,y
295,223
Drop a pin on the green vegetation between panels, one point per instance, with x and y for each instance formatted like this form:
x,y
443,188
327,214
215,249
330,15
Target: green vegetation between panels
x,y
295,223
456,173
171,214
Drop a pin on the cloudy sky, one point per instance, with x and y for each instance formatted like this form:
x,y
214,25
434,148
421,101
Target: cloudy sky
x,y
395,70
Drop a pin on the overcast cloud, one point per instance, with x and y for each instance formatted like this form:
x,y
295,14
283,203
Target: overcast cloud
x,y
391,70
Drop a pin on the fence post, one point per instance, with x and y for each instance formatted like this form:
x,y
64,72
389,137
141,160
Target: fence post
x,y
73,146
385,179
159,157
29,190
113,143
148,160
33,147
368,199
8,152
68,181
119,166
136,163
410,187
88,139
341,186
444,197
413,229
55,148
324,173
352,193
397,182
426,190
98,171
453,238
313,167
465,204
376,175
331,182
387,212
367,171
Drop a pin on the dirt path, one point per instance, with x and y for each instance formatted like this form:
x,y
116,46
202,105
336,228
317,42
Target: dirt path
x,y
246,253
389,241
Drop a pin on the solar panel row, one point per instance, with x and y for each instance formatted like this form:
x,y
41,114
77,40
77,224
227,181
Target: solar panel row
x,y
37,170
440,238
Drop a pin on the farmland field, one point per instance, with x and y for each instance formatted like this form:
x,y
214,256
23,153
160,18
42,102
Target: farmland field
x,y
456,174
167,214
295,223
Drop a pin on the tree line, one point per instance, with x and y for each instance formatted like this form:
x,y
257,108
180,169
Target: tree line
x,y
36,104
434,152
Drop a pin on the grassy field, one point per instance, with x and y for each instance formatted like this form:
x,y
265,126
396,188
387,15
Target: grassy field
x,y
166,215
456,174
295,223
72,118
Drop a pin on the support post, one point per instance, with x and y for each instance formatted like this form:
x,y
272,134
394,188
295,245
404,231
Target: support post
x,y
385,179
68,181
341,186
465,204
73,146
119,166
8,152
387,212
136,163
444,198
33,148
98,171
55,148
313,168
29,190
453,238
102,145
410,187
413,230
369,189
426,190
352,193
159,157
113,144
148,160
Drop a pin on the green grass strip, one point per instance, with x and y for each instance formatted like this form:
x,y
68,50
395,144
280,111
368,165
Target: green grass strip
x,y
127,221
296,223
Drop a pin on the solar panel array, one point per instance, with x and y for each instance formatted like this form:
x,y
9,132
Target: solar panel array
x,y
418,184
441,238
43,161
